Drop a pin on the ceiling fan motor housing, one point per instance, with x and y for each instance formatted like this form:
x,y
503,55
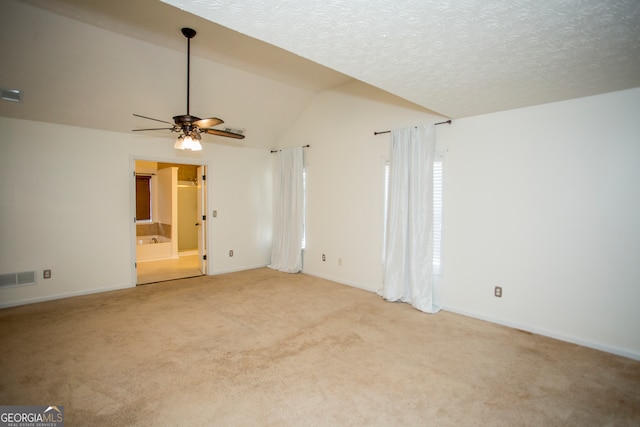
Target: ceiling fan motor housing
x,y
185,119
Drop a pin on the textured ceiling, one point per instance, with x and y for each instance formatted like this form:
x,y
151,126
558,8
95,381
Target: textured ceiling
x,y
458,58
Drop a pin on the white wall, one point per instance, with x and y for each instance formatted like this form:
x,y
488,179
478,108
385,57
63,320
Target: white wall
x,y
66,203
242,197
345,178
545,202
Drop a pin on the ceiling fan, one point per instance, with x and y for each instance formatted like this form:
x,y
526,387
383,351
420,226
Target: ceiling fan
x,y
190,127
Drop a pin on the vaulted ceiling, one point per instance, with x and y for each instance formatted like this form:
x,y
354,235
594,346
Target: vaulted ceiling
x,y
456,58
94,63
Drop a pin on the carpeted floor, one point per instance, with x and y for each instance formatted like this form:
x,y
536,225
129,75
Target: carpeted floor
x,y
267,348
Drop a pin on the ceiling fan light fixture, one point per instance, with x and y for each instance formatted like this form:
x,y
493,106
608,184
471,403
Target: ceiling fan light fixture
x,y
195,144
179,145
188,142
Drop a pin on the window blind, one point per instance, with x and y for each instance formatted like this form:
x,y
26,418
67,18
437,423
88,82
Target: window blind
x,y
143,198
437,212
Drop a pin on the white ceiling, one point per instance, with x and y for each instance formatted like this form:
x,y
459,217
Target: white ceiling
x,y
457,58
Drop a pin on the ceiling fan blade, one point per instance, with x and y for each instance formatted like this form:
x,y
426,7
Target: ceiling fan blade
x,y
138,130
151,118
223,133
207,123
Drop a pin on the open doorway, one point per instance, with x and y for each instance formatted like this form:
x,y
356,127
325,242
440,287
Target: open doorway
x,y
170,234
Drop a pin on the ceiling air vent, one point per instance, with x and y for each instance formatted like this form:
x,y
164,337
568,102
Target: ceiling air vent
x,y
13,95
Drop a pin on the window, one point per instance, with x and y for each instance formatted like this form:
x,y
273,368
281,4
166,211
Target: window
x,y
437,212
143,198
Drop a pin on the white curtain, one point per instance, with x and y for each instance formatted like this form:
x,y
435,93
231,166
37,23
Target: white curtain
x,y
408,267
286,253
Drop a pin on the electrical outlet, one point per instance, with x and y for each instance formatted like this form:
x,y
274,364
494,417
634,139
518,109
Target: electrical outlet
x,y
46,274
339,261
324,258
497,291
231,253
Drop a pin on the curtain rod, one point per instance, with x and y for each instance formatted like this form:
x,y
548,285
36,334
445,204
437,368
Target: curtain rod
x,y
447,122
304,146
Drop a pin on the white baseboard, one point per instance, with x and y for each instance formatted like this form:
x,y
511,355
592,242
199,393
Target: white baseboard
x,y
187,253
551,334
99,290
64,295
235,270
338,280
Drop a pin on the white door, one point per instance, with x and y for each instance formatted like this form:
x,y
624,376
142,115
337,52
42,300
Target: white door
x,y
202,215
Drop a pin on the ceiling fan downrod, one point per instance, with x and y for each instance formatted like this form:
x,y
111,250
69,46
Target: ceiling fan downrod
x,y
189,33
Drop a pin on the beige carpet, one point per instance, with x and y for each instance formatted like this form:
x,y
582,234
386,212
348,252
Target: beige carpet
x,y
269,349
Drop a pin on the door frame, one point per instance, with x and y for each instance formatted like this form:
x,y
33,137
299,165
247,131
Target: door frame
x,y
201,197
132,206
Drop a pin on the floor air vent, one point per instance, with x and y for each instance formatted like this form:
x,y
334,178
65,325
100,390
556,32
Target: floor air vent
x,y
18,279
